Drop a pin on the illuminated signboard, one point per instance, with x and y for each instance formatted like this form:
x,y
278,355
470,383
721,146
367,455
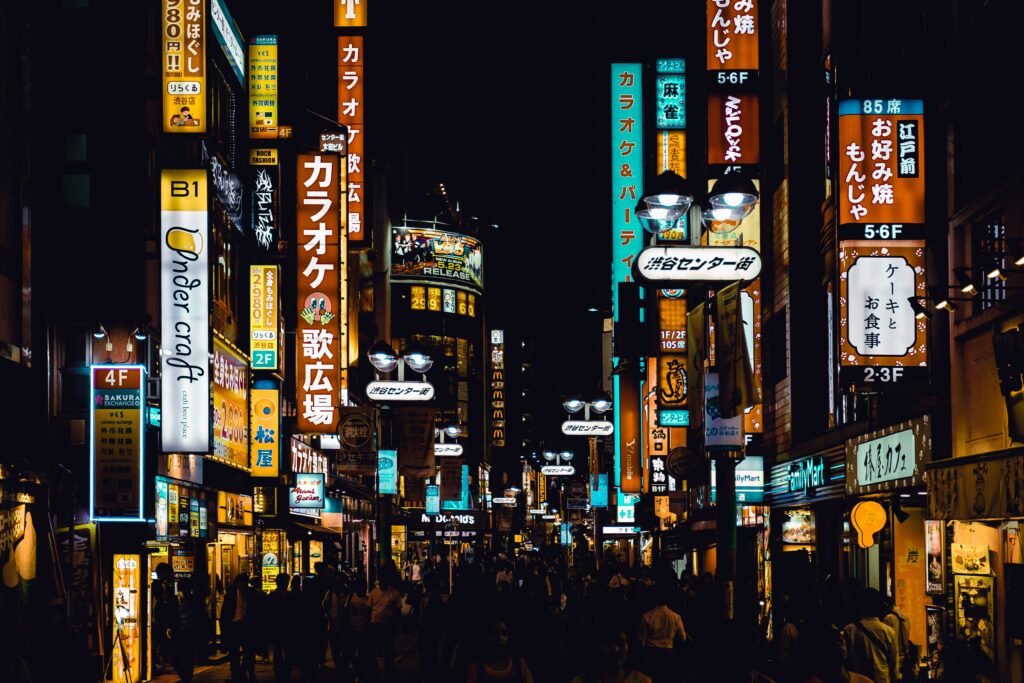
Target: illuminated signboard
x,y
558,470
882,342
116,442
390,390
350,13
798,527
749,480
672,323
890,458
671,381
183,46
229,38
318,377
733,131
230,405
674,418
881,170
627,412
497,388
663,266
588,427
181,511
387,472
599,490
670,100
307,459
433,499
234,509
184,312
127,593
429,254
265,433
263,317
263,87
351,63
265,196
670,104
627,155
732,57
308,492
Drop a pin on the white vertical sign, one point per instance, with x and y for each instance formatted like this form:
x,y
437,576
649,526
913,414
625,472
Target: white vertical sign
x,y
881,321
184,312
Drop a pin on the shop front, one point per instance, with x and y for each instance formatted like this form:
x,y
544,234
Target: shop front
x,y
455,530
232,551
975,562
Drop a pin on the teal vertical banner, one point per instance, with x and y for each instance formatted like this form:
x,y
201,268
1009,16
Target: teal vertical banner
x,y
387,472
598,490
627,172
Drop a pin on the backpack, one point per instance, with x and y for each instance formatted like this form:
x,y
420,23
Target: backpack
x,y
912,659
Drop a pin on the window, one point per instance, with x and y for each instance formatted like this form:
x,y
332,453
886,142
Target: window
x,y
76,190
989,252
75,147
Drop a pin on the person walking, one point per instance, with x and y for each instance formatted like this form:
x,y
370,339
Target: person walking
x,y
234,626
609,663
428,627
660,630
906,652
360,644
498,664
279,613
337,625
872,644
184,632
385,608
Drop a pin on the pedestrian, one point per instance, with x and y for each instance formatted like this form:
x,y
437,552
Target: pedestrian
x,y
608,664
184,632
497,663
279,620
337,625
234,626
257,620
661,630
360,644
428,627
907,654
164,615
872,644
822,656
385,608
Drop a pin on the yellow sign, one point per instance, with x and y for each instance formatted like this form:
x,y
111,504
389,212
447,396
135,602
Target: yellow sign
x,y
263,317
265,430
263,157
729,233
230,405
350,13
127,636
263,87
183,43
867,517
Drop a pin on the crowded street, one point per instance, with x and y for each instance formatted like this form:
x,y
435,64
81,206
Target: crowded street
x,y
449,341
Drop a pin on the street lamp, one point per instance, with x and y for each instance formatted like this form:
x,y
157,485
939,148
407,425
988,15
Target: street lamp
x,y
454,431
733,192
574,404
602,403
418,358
966,282
666,200
382,356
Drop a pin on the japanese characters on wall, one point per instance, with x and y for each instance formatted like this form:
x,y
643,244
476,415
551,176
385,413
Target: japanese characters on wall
x,y
263,317
116,442
230,405
627,172
183,45
184,312
432,255
670,104
317,335
350,113
266,193
732,37
263,86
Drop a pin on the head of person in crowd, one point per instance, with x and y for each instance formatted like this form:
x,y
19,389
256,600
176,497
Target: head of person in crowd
x,y
871,603
281,581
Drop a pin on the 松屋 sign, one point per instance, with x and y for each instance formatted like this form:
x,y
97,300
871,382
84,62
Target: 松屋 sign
x,y
558,470
686,264
184,312
890,458
308,492
389,390
265,432
587,427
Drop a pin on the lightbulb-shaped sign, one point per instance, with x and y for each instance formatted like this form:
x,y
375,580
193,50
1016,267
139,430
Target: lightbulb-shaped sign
x,y
868,518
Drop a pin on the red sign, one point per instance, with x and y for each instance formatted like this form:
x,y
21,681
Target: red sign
x,y
318,377
733,130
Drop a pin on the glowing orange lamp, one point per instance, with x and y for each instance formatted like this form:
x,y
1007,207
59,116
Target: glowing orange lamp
x,y
868,517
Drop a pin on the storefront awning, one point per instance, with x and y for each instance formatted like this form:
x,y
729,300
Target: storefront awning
x,y
989,486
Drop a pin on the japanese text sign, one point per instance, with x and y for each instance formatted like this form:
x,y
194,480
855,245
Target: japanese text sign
x,y
184,312
627,156
670,101
890,458
307,459
127,592
229,38
308,492
350,13
882,340
116,442
318,377
732,39
183,47
230,405
265,194
672,322
387,472
263,317
749,480
265,432
733,131
263,86
681,264
881,169
350,113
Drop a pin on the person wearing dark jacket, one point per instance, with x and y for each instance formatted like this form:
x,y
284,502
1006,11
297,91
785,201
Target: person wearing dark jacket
x,y
235,624
279,620
185,631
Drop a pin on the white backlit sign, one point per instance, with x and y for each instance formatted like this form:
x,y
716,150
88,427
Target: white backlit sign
x,y
558,470
588,427
447,449
697,264
389,390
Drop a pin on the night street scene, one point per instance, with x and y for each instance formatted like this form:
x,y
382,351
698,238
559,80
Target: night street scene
x,y
439,341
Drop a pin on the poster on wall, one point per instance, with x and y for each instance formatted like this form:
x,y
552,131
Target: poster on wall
x,y
798,527
230,384
127,596
936,627
935,546
969,559
432,255
974,603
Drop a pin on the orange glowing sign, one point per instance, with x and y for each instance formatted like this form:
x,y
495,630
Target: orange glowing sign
x,y
350,113
732,39
350,13
733,130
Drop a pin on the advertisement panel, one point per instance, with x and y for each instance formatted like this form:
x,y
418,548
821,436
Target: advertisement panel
x,y
881,170
627,155
350,113
127,592
263,317
387,472
719,433
883,343
230,405
732,30
733,131
265,429
116,442
181,511
599,490
935,548
749,480
432,255
308,492
183,47
627,408
184,312
433,500
263,86
318,377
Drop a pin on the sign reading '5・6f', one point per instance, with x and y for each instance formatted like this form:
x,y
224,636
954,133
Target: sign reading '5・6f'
x,y
318,378
184,312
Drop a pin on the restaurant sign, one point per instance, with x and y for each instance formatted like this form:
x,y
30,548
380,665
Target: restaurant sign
x,y
889,458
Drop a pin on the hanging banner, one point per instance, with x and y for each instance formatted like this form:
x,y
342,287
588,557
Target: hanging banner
x,y
183,46
736,390
881,170
318,377
230,405
910,571
416,441
732,42
627,155
976,487
719,433
127,595
263,317
265,429
184,312
387,472
116,444
350,113
696,354
883,343
598,490
627,405
263,87
433,500
451,478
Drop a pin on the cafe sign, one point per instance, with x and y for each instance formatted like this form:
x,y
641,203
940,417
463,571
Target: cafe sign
x,y
889,458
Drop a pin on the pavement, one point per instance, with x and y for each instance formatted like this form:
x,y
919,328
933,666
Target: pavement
x,y
406,668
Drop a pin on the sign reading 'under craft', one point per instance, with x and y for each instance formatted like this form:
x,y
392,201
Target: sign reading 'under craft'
x,y
588,427
686,263
400,391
